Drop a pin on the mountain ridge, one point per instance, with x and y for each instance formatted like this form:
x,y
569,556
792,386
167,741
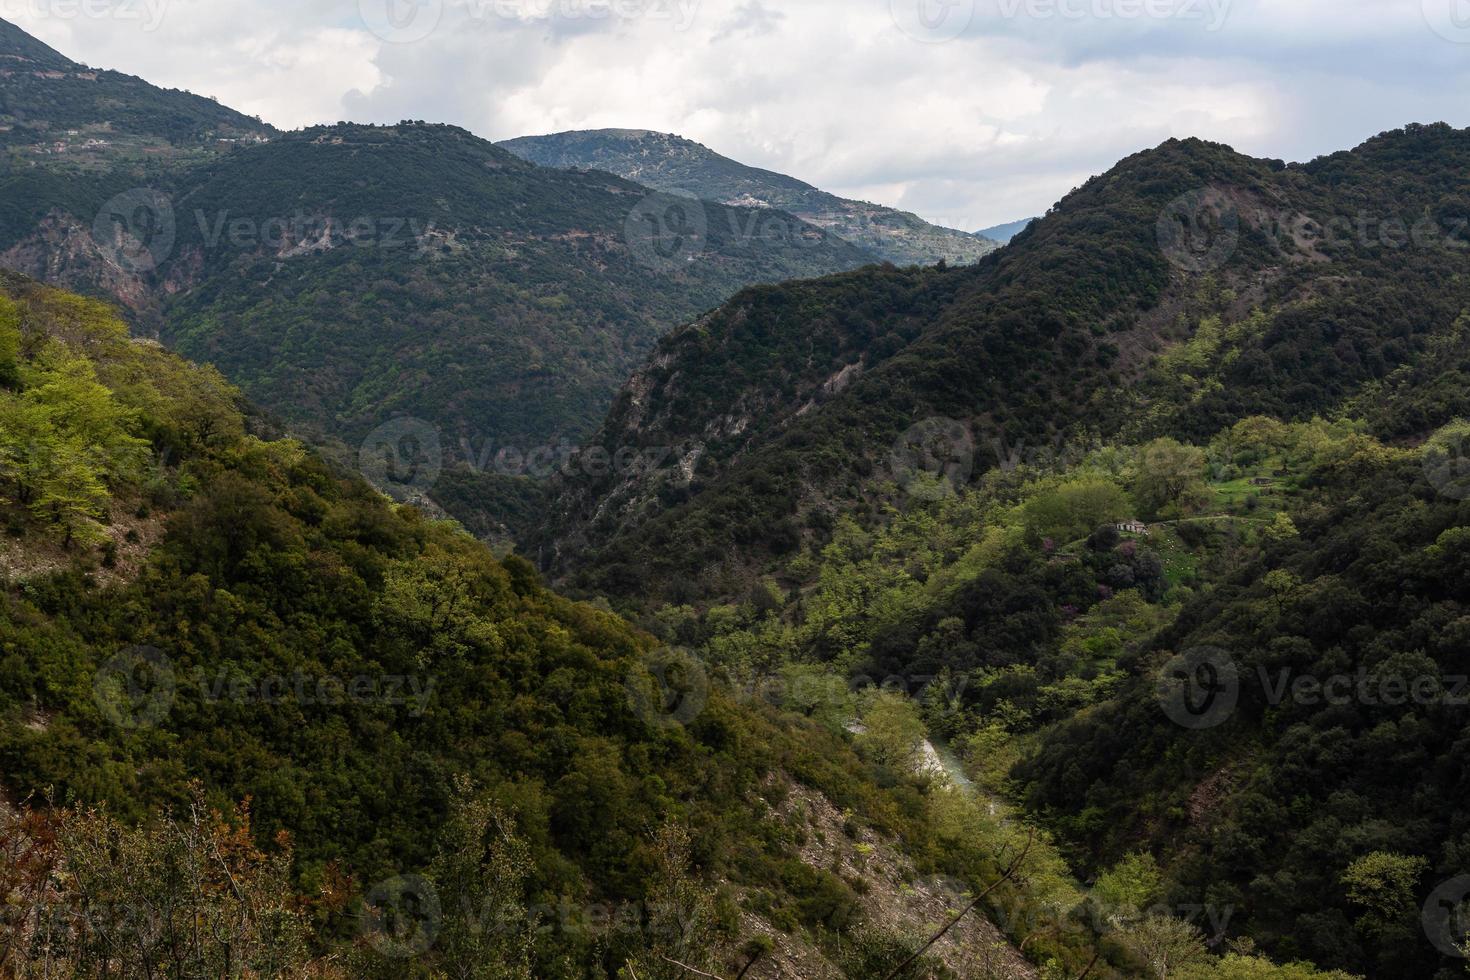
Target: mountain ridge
x,y
505,322
671,162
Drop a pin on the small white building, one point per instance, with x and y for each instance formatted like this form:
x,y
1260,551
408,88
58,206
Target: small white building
x,y
1133,527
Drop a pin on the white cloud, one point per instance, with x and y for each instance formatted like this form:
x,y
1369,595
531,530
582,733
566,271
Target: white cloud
x,y
995,124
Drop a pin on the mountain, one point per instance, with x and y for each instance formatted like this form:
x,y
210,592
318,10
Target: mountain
x,y
783,406
56,113
348,276
246,691
1004,233
1171,490
676,164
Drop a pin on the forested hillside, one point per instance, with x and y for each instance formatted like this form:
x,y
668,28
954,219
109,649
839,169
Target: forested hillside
x,y
337,701
1089,326
1191,440
350,276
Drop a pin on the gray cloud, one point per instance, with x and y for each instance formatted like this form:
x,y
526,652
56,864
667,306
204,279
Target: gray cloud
x,y
981,111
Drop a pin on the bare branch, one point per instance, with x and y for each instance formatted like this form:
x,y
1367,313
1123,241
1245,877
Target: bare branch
x,y
691,969
1006,876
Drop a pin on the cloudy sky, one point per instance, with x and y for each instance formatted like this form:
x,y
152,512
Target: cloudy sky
x,y
969,112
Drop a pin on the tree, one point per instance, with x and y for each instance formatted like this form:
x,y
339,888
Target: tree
x,y
1382,883
892,731
1076,508
1124,891
480,872
1282,528
682,928
1165,944
1170,478
172,898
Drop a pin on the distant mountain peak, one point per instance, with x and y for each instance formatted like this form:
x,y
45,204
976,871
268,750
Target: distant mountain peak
x,y
667,161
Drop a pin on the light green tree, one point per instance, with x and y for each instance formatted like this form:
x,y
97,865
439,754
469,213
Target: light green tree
x,y
1170,478
1382,883
1166,945
892,731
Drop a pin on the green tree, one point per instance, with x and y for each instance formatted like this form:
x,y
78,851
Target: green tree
x,y
1075,508
480,871
1165,944
1170,478
892,731
1126,889
1382,885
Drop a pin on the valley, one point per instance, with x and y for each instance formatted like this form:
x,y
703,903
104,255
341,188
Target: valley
x,y
589,556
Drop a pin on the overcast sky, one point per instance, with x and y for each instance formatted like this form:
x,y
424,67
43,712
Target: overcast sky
x,y
969,112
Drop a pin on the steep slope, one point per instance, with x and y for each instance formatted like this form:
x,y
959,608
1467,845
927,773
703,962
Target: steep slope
x,y
1164,452
57,114
673,163
192,616
1258,283
418,270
